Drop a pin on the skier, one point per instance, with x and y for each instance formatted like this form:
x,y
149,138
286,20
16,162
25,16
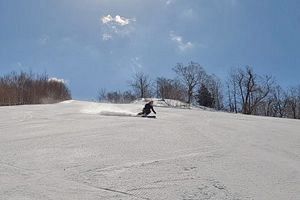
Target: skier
x,y
147,109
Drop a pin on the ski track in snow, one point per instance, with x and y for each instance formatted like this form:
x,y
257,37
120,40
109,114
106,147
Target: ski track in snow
x,y
83,150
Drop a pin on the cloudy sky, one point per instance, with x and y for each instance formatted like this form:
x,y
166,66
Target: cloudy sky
x,y
96,44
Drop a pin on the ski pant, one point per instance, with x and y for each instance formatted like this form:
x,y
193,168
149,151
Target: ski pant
x,y
145,112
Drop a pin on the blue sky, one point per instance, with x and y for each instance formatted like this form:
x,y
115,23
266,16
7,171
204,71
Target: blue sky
x,y
96,44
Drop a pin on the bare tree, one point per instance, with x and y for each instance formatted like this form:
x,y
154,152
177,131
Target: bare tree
x,y
115,96
266,107
128,97
169,89
232,87
102,95
280,102
293,103
190,75
250,93
214,85
163,87
252,89
27,88
141,84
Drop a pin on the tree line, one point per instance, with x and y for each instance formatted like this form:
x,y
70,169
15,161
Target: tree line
x,y
244,91
251,93
28,88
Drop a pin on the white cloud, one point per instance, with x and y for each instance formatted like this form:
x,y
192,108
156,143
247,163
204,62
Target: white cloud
x,y
117,20
117,26
107,19
122,20
178,40
57,80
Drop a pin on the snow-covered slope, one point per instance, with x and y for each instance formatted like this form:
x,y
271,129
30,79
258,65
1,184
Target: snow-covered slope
x,y
82,150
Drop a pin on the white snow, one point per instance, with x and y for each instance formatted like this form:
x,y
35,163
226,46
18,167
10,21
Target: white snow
x,y
74,150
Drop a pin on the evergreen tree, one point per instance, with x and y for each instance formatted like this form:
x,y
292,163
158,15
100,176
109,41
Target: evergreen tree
x,y
204,97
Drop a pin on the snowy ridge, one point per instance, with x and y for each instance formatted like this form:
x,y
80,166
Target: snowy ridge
x,y
73,150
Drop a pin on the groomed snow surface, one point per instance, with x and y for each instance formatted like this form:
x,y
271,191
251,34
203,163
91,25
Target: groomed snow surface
x,y
82,150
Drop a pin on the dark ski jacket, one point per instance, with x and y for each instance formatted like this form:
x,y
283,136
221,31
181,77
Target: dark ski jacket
x,y
148,107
